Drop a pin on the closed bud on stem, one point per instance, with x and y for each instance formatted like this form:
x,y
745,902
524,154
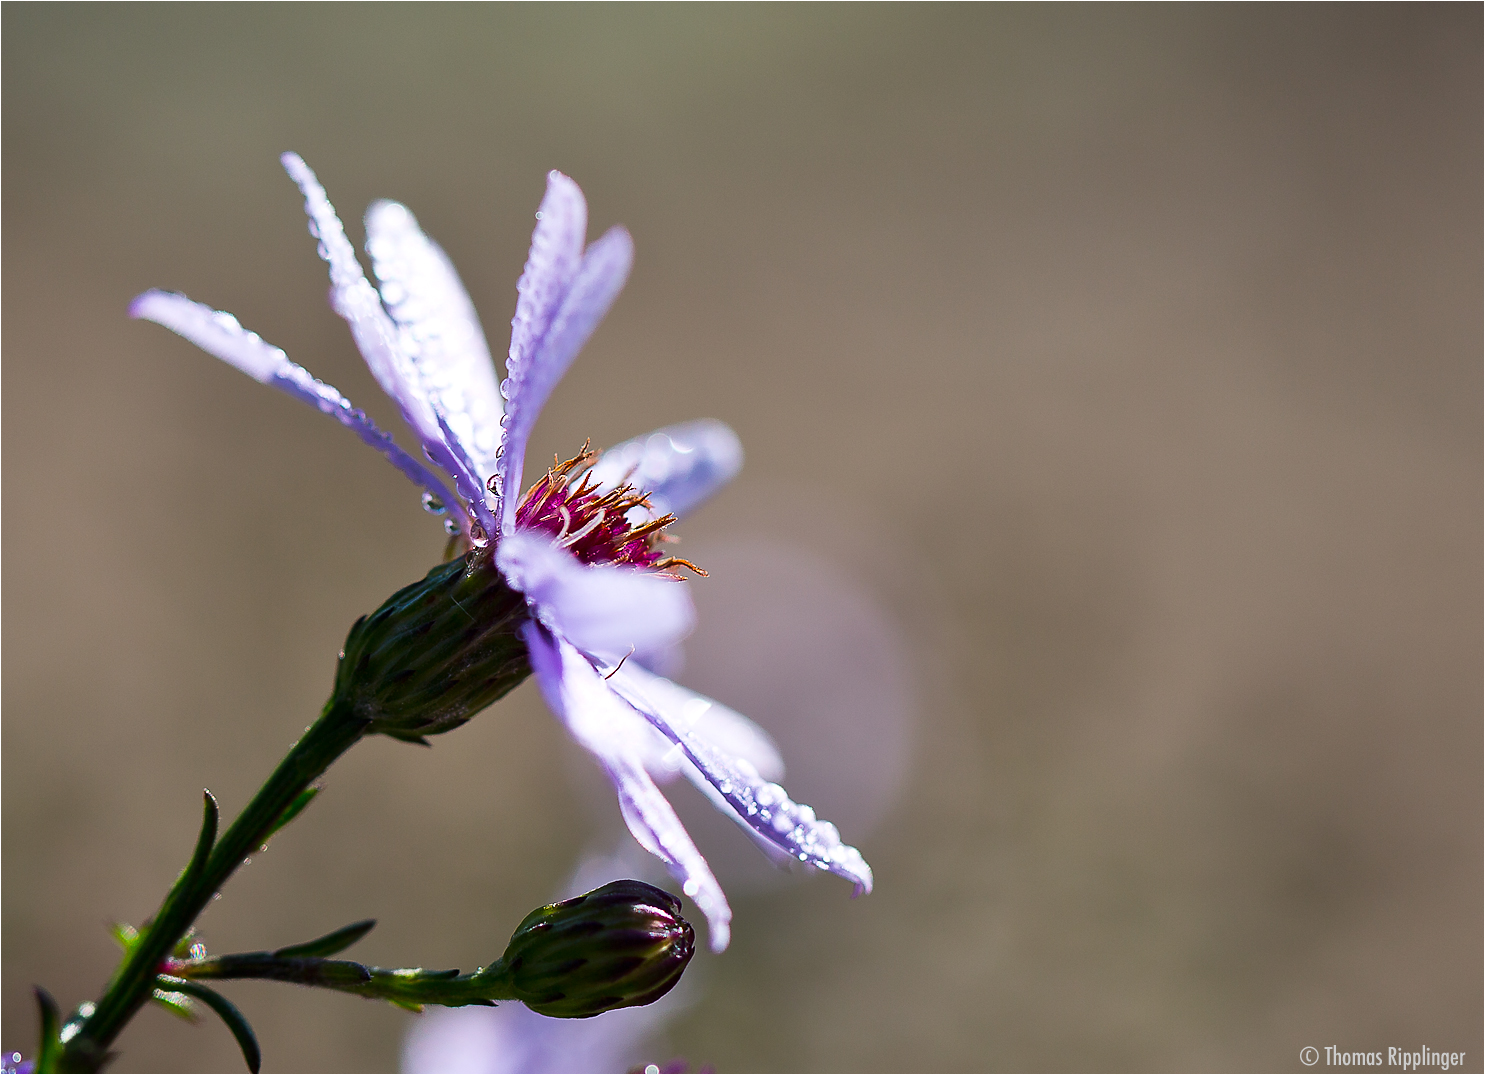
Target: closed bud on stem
x,y
436,652
621,945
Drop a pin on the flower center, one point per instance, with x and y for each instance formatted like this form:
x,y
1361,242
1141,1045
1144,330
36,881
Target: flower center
x,y
618,526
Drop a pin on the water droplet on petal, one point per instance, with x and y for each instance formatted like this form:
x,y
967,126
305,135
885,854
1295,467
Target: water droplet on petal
x,y
691,887
769,794
450,526
433,505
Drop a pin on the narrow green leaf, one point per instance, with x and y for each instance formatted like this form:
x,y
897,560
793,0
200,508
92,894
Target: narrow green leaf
x,y
176,1003
236,1022
293,810
330,943
206,840
50,1048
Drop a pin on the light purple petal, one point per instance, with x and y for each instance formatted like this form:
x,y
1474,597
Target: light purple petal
x,y
604,725
761,806
556,253
438,331
598,281
726,729
513,1038
218,333
608,611
679,466
354,299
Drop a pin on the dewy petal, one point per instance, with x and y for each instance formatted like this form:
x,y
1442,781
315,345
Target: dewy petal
x,y
599,722
603,610
219,333
355,300
438,331
679,466
764,808
595,285
556,253
726,729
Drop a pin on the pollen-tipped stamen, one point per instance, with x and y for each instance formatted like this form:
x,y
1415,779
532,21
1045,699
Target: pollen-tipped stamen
x,y
594,525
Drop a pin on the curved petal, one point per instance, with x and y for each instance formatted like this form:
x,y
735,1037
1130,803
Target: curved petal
x,y
610,611
725,729
354,299
764,808
594,287
603,725
219,333
679,466
438,331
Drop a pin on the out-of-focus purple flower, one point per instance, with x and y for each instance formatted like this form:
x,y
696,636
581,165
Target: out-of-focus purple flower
x,y
512,1038
585,543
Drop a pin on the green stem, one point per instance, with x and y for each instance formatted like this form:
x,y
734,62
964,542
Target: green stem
x,y
408,987
337,730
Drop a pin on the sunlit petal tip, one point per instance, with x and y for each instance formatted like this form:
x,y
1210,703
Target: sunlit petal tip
x,y
735,786
680,466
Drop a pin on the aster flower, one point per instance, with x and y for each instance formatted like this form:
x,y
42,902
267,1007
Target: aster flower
x,y
585,545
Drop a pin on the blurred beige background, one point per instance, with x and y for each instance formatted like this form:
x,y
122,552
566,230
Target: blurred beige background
x,y
1128,359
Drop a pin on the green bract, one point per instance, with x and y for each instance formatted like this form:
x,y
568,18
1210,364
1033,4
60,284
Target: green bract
x,y
436,652
620,945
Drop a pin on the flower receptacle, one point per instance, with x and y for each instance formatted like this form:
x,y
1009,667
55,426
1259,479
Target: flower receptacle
x,y
436,652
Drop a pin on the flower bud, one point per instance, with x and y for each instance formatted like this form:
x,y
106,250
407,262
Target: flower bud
x,y
621,945
436,652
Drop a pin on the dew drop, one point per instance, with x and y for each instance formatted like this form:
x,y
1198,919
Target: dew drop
x,y
691,887
450,526
433,505
198,950
769,794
